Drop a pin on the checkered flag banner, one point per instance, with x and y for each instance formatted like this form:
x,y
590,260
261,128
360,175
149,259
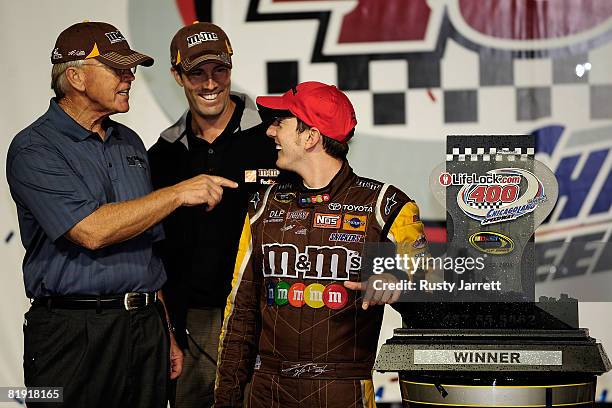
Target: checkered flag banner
x,y
490,154
486,206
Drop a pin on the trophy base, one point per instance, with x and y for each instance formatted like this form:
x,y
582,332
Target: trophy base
x,y
494,368
496,390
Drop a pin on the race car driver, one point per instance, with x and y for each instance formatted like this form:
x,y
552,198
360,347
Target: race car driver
x,y
295,325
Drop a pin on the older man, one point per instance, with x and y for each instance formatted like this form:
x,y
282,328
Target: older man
x,y
221,133
88,221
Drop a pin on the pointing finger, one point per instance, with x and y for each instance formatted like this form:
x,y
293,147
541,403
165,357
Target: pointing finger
x,y
367,298
354,285
224,182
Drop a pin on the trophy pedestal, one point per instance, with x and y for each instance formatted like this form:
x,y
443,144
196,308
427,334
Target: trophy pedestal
x,y
494,367
492,345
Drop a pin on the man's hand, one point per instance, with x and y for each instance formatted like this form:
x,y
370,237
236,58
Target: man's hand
x,y
176,358
202,189
373,296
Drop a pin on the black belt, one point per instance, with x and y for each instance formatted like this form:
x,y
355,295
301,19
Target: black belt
x,y
129,301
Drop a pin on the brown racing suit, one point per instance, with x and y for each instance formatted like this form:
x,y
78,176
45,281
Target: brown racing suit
x,y
290,327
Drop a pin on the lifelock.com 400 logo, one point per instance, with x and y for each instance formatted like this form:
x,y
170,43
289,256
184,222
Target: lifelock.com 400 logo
x,y
499,195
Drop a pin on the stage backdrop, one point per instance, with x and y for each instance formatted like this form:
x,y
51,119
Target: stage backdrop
x,y
416,70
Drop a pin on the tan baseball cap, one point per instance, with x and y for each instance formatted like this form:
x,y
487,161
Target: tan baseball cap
x,y
97,40
199,42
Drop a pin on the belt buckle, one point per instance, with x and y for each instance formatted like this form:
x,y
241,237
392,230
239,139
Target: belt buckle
x,y
128,300
150,298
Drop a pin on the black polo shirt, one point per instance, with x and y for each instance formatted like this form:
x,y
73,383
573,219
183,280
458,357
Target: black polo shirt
x,y
200,248
59,173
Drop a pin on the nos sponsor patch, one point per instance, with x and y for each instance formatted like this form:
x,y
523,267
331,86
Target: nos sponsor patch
x,y
322,220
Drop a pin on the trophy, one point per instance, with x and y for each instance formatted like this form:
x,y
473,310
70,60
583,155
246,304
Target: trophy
x,y
484,340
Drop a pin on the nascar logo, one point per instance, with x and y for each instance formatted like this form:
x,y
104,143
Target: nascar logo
x,y
492,243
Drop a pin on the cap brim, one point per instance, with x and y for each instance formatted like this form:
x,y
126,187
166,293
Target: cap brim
x,y
224,59
125,59
273,102
269,115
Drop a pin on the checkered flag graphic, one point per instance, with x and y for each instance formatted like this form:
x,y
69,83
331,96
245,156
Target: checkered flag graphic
x,y
490,154
486,206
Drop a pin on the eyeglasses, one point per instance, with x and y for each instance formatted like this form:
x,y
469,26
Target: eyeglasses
x,y
120,72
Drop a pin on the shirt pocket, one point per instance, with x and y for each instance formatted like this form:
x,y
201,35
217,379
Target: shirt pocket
x,y
94,178
134,173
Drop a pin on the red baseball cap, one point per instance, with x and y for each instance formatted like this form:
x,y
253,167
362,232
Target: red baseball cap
x,y
318,105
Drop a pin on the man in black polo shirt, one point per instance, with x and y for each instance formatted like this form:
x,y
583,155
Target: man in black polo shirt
x,y
221,134
88,221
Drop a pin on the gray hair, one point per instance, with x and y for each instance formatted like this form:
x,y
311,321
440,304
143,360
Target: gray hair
x,y
59,83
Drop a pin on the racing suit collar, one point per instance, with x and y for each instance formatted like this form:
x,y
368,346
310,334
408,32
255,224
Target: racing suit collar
x,y
341,181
